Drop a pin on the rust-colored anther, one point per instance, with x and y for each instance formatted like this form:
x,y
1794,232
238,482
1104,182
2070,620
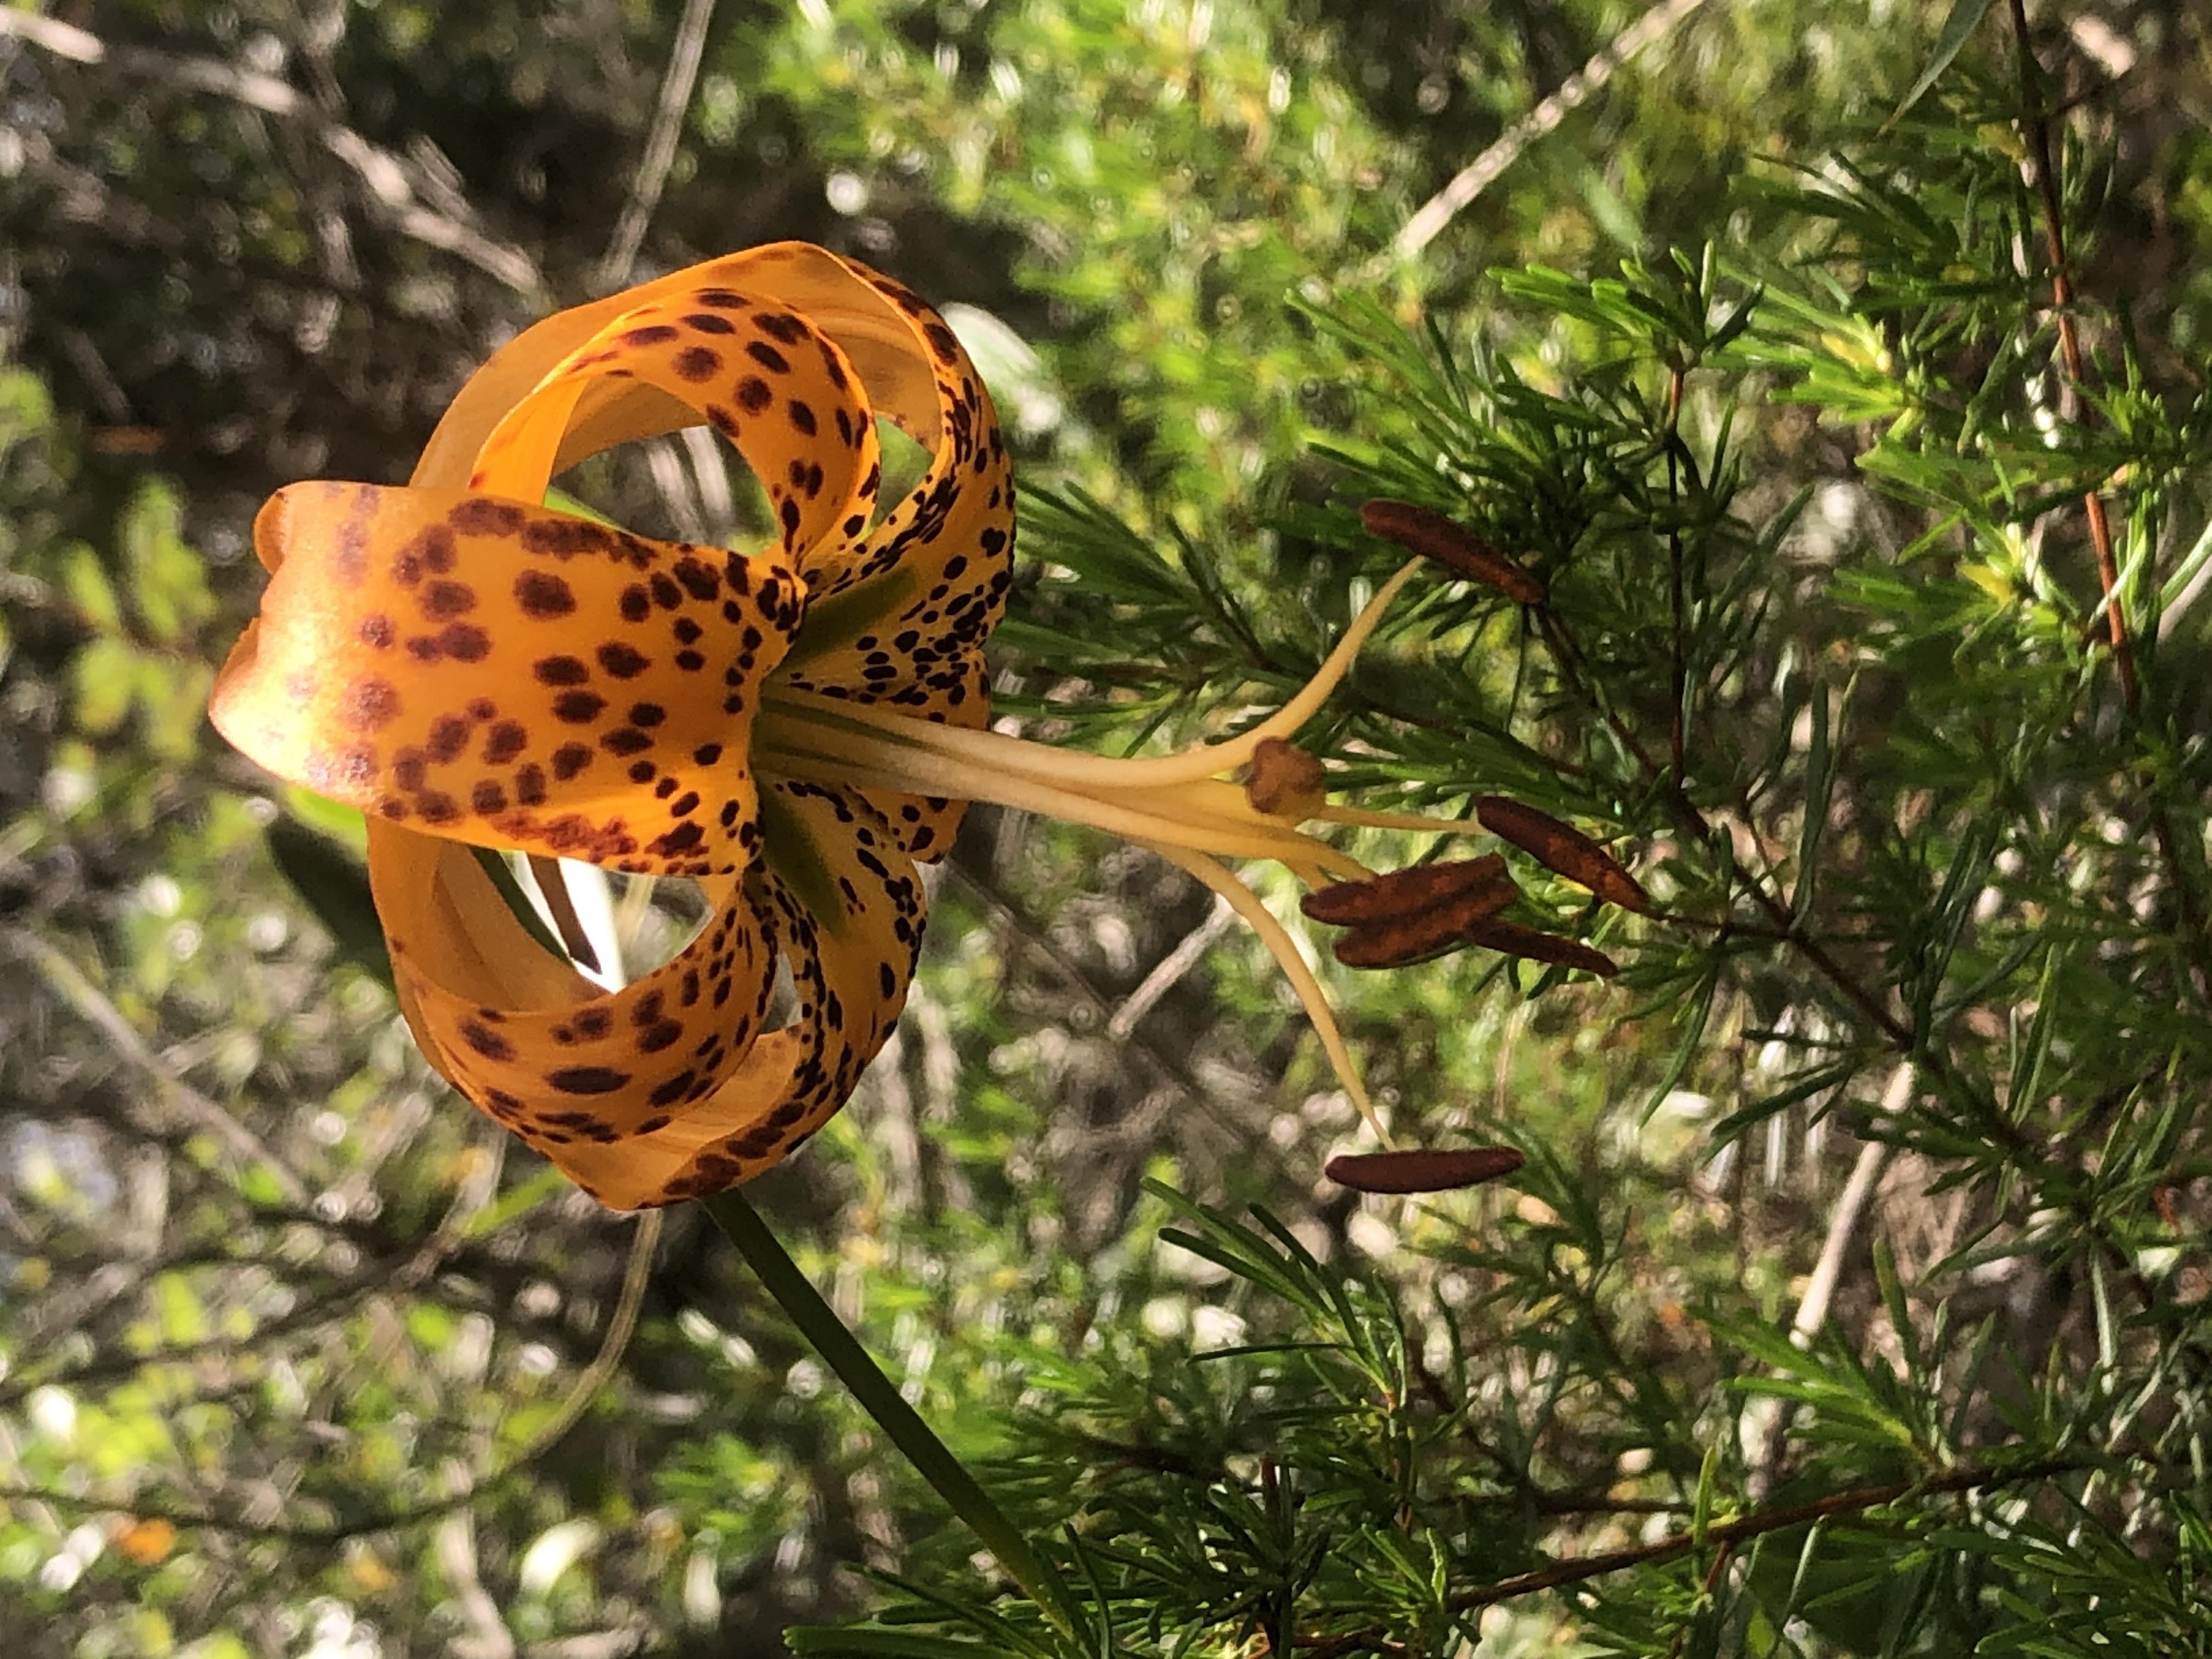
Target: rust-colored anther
x,y
1422,1169
1285,781
1429,533
1512,939
1410,915
1405,892
1563,850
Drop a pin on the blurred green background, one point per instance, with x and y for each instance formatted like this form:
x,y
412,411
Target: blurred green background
x,y
284,1327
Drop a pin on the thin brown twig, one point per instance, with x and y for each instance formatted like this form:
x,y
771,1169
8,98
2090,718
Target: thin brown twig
x,y
1678,654
1721,1556
2069,345
2038,123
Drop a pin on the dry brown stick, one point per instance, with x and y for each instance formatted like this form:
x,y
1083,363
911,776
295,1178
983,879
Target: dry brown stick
x,y
560,906
651,175
385,177
1479,174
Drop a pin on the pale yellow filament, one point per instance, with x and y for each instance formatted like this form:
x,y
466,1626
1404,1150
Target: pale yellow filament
x,y
1284,950
986,748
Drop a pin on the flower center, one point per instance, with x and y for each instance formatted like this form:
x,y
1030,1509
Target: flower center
x,y
1178,806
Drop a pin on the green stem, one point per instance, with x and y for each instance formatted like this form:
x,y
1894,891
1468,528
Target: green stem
x,y
843,1352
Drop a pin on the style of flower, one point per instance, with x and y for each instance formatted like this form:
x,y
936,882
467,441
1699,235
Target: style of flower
x,y
794,727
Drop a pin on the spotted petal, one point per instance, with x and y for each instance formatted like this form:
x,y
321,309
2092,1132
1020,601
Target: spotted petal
x,y
455,657
843,906
510,676
903,615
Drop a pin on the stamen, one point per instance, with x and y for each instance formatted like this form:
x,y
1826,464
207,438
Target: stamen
x,y
1208,817
1410,822
1150,771
1273,935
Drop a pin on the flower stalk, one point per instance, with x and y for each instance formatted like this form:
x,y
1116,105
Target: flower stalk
x,y
876,1395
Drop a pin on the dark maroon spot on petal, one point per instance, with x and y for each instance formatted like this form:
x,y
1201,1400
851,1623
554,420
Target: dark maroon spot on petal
x,y
753,395
941,342
504,742
486,1041
578,707
375,630
651,334
589,1080
443,599
369,703
448,737
623,661
802,417
706,323
636,604
488,797
778,325
465,642
672,1091
706,754
485,518
438,808
699,578
569,759
530,784
564,537
768,357
681,839
559,671
697,363
543,595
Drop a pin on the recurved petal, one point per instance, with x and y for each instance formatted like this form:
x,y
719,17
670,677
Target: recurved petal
x,y
608,1066
844,906
459,934
498,672
615,413
759,372
900,619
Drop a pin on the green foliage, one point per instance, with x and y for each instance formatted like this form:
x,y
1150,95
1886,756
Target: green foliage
x,y
1852,1299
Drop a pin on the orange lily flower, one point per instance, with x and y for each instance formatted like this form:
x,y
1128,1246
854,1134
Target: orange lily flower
x,y
792,728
